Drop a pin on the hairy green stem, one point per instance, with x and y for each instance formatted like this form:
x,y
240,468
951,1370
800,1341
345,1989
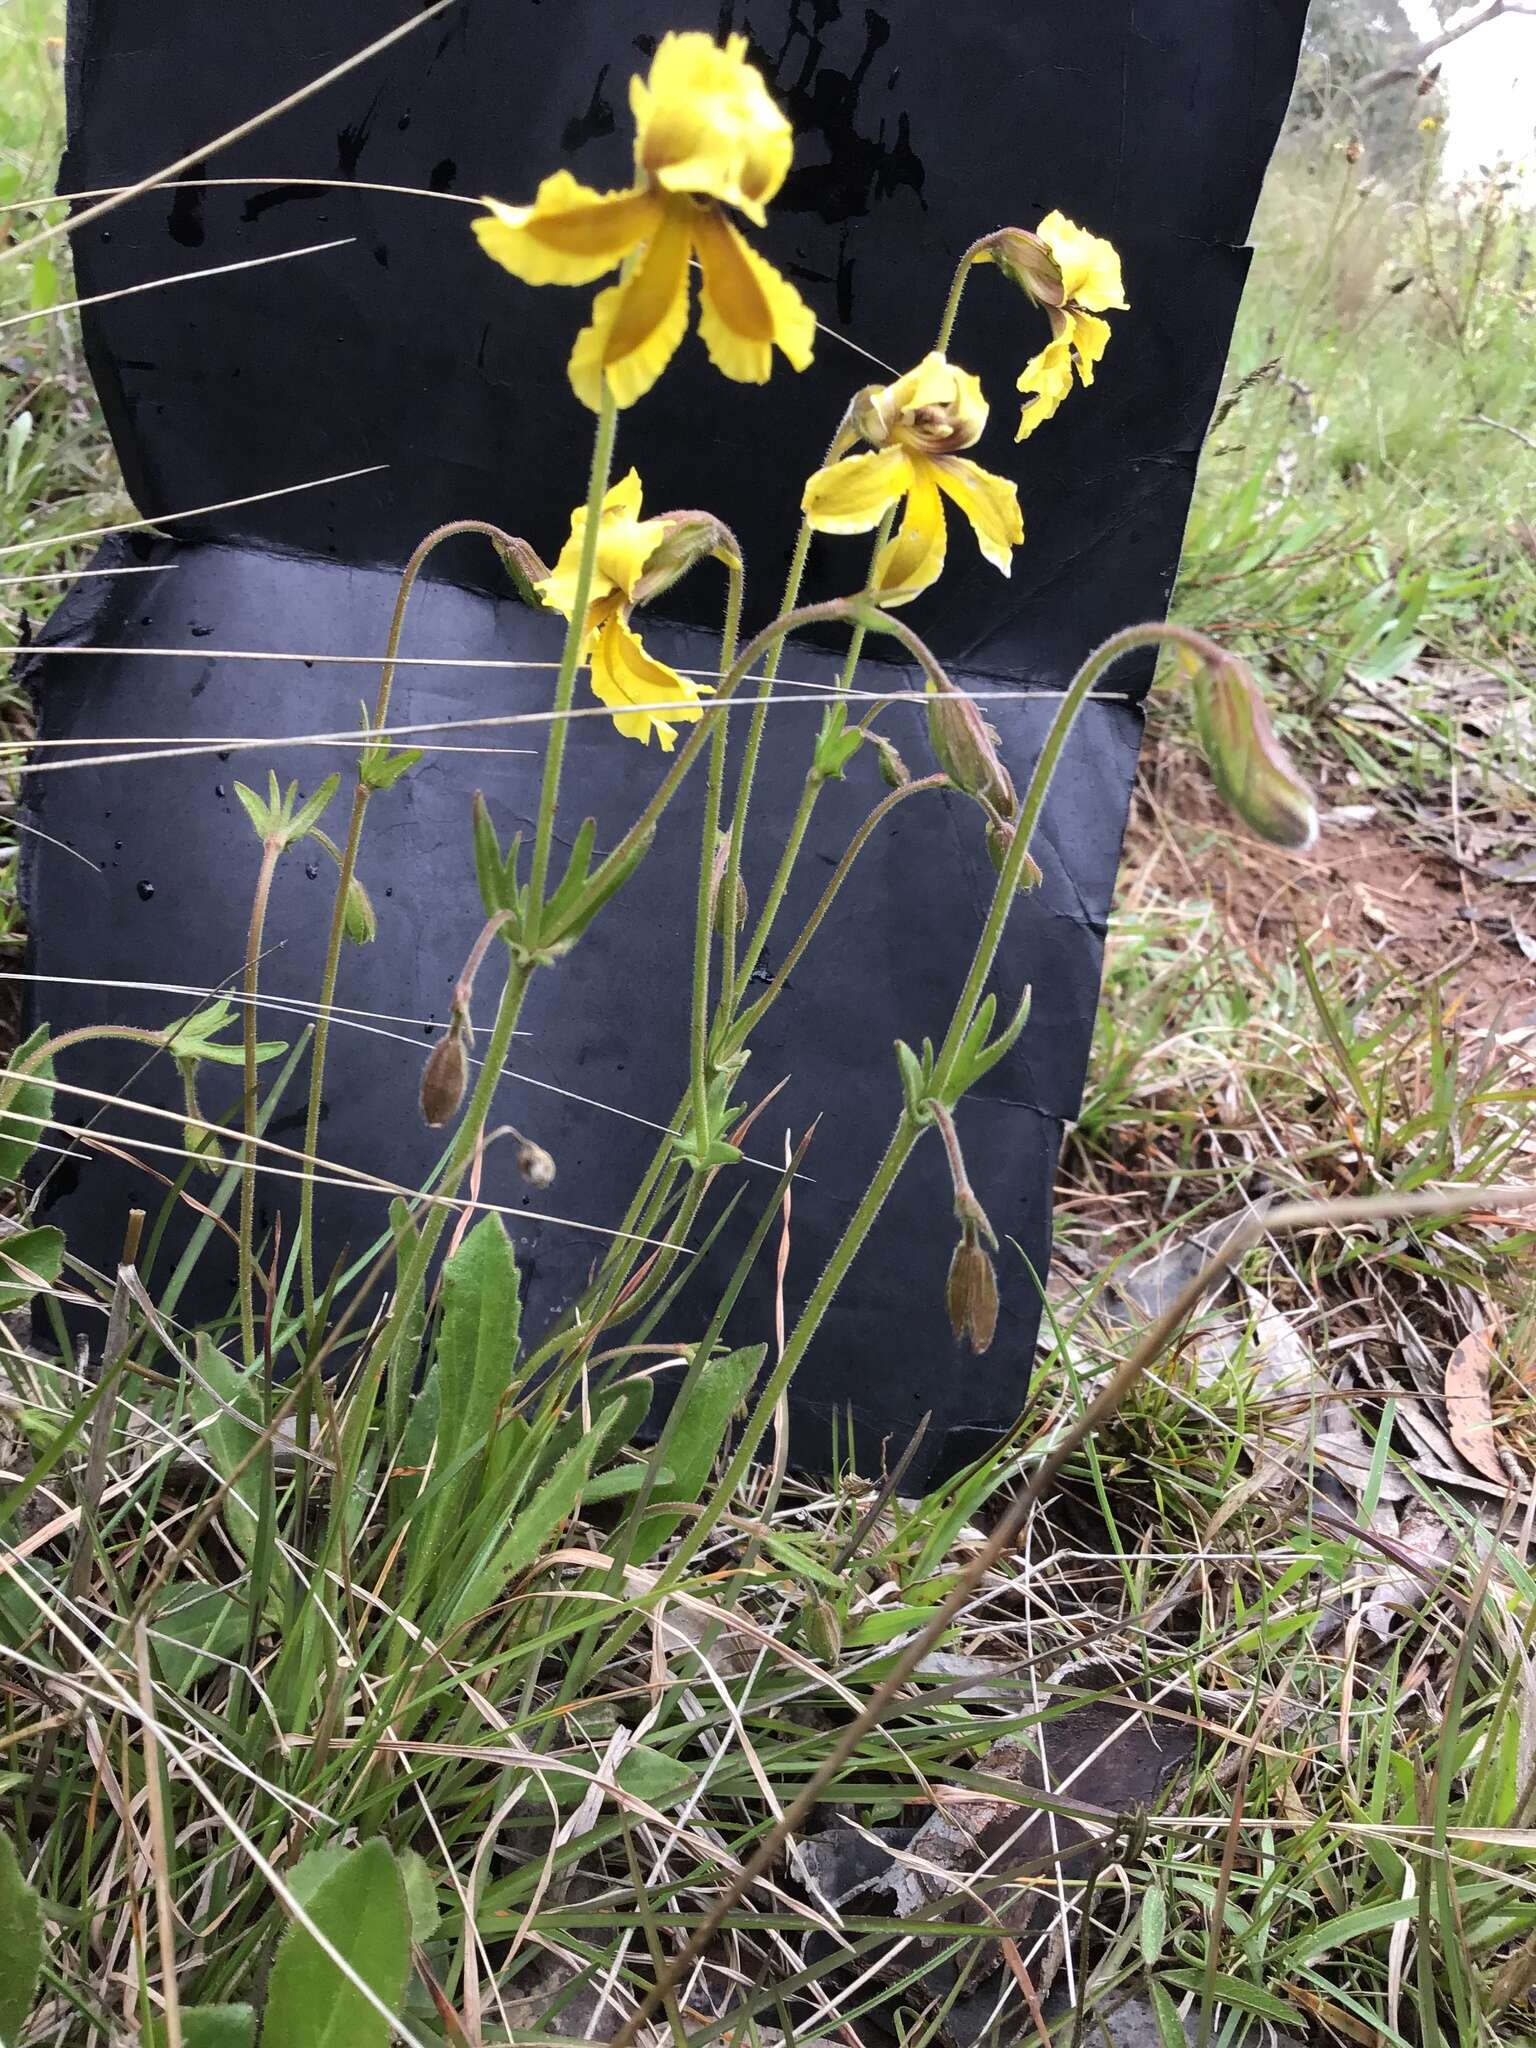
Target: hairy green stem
x,y
744,1025
570,657
754,744
709,888
1067,715
346,867
271,849
956,292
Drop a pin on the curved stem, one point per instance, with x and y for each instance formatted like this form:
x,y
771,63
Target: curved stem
x,y
41,1054
570,657
346,868
1067,715
749,1021
956,292
271,850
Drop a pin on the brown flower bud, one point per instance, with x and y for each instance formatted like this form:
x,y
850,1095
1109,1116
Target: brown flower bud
x,y
965,747
445,1077
535,1164
971,1295
1354,151
1025,260
1248,765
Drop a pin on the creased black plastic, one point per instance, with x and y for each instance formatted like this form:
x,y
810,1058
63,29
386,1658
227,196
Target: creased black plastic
x,y
919,128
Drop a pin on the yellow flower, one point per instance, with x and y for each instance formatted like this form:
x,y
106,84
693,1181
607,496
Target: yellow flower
x,y
1090,285
916,427
1428,125
624,675
707,136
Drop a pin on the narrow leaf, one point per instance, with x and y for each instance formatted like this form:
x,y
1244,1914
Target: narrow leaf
x,y
695,1443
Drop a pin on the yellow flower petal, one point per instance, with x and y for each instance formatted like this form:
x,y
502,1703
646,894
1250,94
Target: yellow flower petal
x,y
633,374
705,123
570,234
620,503
1049,376
1090,338
746,309
624,676
914,559
850,496
991,503
625,545
1090,266
649,315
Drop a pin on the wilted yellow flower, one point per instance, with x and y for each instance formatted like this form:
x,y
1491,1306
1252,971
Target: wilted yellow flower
x,y
707,136
624,676
1090,285
916,427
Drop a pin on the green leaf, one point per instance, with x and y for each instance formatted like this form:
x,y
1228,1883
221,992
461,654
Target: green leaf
x,y
208,2026
259,813
194,1624
310,814
360,1906
21,1944
556,1500
28,1105
1234,1991
314,1868
225,1407
420,1894
477,1349
1154,1925
1170,2028
29,1261
695,1441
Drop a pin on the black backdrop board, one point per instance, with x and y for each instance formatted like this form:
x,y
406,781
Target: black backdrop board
x,y
918,128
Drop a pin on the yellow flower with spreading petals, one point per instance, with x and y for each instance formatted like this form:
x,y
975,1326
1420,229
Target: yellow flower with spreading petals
x,y
645,695
916,428
1090,285
707,137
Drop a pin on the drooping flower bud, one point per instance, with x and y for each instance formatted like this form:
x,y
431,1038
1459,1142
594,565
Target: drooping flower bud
x,y
1254,774
535,1164
1025,260
360,924
971,1294
965,747
445,1076
688,537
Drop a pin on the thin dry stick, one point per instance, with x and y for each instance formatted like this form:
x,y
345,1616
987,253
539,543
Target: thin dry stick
x,y
54,541
155,284
1289,1217
205,150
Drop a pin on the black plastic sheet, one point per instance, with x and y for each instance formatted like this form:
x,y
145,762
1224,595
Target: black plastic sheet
x,y
918,128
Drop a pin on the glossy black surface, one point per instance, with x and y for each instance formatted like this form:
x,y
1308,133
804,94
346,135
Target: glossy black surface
x,y
919,129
